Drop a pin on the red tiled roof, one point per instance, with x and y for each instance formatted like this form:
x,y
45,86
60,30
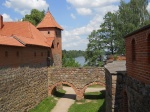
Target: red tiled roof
x,y
10,40
50,41
49,21
25,32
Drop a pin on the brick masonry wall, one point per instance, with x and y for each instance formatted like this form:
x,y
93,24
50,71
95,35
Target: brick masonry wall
x,y
27,55
22,88
138,95
140,68
57,44
77,78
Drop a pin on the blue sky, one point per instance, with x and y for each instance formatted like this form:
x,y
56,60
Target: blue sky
x,y
78,17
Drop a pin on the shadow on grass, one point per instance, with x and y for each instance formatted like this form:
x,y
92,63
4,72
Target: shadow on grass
x,y
102,108
59,94
94,97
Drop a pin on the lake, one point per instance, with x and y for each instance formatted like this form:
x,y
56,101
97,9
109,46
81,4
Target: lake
x,y
80,60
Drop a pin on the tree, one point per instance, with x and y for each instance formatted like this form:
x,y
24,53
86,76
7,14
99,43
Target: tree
x,y
108,33
95,49
34,17
69,62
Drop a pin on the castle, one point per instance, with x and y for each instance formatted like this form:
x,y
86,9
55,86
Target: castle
x,y
25,79
21,43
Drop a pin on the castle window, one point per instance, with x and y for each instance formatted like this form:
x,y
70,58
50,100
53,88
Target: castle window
x,y
58,45
52,45
133,51
42,54
48,32
34,54
6,54
17,54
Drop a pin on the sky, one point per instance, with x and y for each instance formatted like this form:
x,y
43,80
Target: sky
x,y
78,17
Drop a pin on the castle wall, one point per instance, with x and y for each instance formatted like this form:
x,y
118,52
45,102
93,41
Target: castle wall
x,y
138,95
138,71
18,56
78,78
139,68
22,88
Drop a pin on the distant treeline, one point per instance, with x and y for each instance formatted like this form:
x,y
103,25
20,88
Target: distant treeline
x,y
73,53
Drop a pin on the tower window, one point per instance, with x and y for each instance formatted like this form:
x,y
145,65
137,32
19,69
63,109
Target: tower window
x,y
57,45
133,51
48,32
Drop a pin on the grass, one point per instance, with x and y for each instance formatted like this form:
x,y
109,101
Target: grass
x,y
48,104
95,86
45,106
94,103
59,93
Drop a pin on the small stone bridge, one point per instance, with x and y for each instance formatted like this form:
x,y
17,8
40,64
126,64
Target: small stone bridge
x,y
78,78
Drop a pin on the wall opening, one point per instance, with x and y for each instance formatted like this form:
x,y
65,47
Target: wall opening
x,y
6,54
125,102
58,45
133,51
60,89
94,91
17,53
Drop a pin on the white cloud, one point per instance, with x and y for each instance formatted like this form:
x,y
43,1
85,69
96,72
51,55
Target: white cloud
x,y
84,11
73,16
6,17
77,38
24,6
91,3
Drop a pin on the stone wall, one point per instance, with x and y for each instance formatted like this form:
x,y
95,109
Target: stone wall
x,y
138,95
77,78
115,82
22,88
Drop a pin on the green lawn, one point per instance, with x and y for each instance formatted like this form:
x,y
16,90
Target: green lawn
x,y
48,104
45,106
96,86
94,102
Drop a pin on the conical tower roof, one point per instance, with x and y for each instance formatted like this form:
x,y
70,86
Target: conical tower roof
x,y
49,22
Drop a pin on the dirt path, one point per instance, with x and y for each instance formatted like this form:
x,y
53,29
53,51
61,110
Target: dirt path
x,y
68,99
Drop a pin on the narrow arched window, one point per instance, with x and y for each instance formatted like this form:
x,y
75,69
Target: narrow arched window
x,y
48,32
34,54
57,45
17,53
6,54
125,102
133,51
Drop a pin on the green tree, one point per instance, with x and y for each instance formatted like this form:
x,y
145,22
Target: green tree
x,y
69,62
95,49
34,17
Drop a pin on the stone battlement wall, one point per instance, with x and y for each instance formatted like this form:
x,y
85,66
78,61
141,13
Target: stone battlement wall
x,y
22,88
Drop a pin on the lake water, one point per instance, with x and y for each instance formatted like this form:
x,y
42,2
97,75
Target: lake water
x,y
80,60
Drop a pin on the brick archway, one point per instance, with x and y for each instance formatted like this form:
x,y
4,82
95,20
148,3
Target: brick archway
x,y
78,78
92,83
51,88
